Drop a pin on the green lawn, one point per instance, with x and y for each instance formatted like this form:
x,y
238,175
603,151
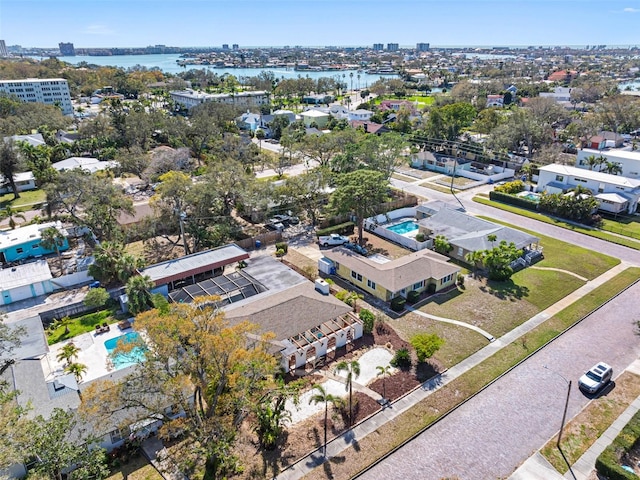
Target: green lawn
x,y
620,240
82,324
566,256
420,99
424,413
26,198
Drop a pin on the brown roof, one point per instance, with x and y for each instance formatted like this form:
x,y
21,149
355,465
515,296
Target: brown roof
x,y
397,274
288,312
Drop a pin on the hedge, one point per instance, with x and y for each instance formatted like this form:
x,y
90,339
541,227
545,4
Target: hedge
x,y
397,304
341,229
608,463
513,200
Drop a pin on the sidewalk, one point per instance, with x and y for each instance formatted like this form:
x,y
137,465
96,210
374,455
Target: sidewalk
x,y
336,446
536,467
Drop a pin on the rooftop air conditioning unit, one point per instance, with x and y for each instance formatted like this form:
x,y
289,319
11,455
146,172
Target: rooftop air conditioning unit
x,y
322,286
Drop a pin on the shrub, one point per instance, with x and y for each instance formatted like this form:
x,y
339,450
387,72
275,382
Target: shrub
x,y
401,359
460,279
510,188
413,296
280,253
420,237
367,318
513,200
397,304
282,246
329,281
426,344
608,463
96,298
342,295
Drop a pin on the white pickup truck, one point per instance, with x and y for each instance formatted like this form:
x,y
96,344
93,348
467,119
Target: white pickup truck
x,y
332,240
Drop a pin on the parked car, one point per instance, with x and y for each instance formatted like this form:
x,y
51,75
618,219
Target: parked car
x,y
596,378
274,224
356,248
286,220
332,240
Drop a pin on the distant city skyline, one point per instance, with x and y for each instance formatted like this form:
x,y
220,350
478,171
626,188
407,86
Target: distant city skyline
x,y
192,23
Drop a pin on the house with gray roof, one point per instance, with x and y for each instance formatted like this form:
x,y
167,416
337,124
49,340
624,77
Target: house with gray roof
x,y
307,325
424,270
466,233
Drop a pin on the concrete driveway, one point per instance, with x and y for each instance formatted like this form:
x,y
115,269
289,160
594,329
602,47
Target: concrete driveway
x,y
488,437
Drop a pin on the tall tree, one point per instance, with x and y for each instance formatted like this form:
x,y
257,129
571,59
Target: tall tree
x,y
10,164
359,193
497,260
138,291
353,371
52,239
383,371
213,371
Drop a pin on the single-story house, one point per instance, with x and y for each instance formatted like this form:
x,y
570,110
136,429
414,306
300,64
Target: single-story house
x,y
88,164
370,127
466,233
360,114
29,280
495,101
24,181
33,139
318,99
424,270
306,323
193,268
25,242
557,178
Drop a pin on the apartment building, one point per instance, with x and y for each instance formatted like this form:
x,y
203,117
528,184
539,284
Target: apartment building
x,y
51,91
190,98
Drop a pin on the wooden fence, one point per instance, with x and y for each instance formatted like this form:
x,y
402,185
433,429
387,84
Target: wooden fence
x,y
268,238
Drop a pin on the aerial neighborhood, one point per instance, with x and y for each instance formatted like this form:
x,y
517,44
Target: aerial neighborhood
x,y
338,273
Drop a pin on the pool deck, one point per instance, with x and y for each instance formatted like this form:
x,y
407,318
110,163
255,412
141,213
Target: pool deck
x,y
92,353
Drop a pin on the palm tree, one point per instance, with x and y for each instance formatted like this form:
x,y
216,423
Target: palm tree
x,y
592,161
383,371
77,369
353,371
68,353
321,396
612,168
11,213
52,239
138,291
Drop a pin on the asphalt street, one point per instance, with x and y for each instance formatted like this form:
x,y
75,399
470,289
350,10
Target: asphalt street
x,y
489,436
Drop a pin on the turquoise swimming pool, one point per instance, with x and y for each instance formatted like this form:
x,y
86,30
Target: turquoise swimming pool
x,y
404,227
122,360
534,197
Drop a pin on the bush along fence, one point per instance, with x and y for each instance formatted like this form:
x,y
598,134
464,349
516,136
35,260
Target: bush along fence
x,y
513,200
609,463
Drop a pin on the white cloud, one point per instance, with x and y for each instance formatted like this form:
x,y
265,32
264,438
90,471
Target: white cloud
x,y
631,10
97,29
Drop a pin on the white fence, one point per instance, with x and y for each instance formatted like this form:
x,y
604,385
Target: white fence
x,y
378,224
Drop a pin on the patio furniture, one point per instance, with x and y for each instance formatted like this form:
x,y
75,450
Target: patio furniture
x,y
124,324
102,329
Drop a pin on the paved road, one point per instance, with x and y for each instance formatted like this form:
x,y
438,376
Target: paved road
x,y
488,437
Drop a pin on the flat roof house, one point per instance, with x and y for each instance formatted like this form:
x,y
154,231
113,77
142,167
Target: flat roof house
x,y
423,270
24,242
629,161
560,178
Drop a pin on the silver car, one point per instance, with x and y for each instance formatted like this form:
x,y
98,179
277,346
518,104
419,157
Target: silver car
x,y
596,378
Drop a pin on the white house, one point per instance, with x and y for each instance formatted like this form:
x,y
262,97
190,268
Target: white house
x,y
190,98
560,178
360,115
88,164
23,180
629,161
560,94
495,101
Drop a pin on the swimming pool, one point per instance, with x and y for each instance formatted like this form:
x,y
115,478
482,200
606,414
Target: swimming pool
x,y
534,197
404,227
132,357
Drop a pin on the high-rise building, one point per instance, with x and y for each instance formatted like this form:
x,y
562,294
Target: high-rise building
x,y
67,49
422,47
52,91
378,46
225,46
393,47
235,46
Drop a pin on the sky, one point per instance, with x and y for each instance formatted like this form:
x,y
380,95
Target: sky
x,y
184,23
